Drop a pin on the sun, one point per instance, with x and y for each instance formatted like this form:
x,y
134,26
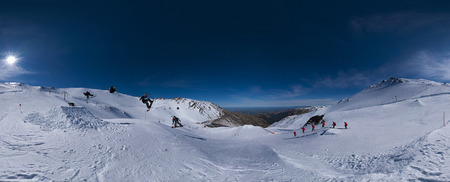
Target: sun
x,y
11,60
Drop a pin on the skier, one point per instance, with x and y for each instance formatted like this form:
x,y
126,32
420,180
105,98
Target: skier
x,y
87,94
345,124
112,89
303,129
313,127
146,101
323,123
334,124
176,121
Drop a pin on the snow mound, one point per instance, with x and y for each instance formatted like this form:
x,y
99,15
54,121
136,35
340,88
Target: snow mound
x,y
250,131
65,117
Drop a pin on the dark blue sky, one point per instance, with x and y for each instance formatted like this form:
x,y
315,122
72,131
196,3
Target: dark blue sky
x,y
232,53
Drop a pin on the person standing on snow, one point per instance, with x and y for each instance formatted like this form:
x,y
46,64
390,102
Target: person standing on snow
x,y
313,127
303,129
323,123
176,121
334,124
146,101
112,89
345,124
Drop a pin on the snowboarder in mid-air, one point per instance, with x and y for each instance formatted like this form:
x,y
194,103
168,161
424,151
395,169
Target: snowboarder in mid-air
x,y
334,124
88,94
345,124
176,121
313,127
323,123
146,101
303,129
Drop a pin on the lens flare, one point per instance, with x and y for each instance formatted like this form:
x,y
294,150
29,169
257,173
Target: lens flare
x,y
11,59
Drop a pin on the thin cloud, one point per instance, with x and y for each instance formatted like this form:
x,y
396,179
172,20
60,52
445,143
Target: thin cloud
x,y
344,79
185,84
398,21
430,65
147,81
178,83
255,96
252,102
10,71
292,92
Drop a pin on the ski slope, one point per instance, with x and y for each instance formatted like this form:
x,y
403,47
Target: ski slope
x,y
395,133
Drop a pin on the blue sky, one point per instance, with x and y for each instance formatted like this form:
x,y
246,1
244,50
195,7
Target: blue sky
x,y
232,53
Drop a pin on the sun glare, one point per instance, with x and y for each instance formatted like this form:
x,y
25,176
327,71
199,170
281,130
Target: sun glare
x,y
11,60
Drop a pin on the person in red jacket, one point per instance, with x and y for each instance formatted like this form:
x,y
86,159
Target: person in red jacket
x,y
323,123
334,124
303,129
345,124
313,127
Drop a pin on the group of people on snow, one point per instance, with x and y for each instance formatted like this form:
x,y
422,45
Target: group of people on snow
x,y
176,122
88,94
323,125
113,89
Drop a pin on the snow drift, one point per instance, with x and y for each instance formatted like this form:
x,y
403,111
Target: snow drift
x,y
65,117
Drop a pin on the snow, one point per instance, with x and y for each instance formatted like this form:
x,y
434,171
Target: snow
x,y
395,133
64,117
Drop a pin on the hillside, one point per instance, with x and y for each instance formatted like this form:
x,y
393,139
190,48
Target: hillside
x,y
111,137
273,117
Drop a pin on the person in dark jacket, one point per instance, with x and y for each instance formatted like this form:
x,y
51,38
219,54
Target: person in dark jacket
x,y
146,101
88,94
176,121
112,89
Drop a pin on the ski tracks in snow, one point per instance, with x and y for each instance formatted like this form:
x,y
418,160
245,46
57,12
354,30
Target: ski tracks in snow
x,y
18,152
2,116
433,161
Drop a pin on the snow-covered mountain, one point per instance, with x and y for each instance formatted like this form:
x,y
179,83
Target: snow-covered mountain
x,y
395,133
391,91
388,122
105,105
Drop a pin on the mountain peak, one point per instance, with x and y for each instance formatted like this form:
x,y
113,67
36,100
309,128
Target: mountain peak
x,y
396,81
390,81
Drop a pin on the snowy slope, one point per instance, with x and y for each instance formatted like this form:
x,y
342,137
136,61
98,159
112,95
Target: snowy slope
x,y
111,137
391,91
388,122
